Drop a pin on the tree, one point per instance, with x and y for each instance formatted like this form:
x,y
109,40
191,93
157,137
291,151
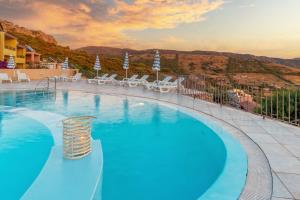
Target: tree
x,y
284,104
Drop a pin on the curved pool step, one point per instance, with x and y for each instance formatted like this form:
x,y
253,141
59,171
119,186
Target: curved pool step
x,y
60,178
51,120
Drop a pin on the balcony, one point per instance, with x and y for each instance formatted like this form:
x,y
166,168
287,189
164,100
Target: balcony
x,y
20,60
9,51
10,48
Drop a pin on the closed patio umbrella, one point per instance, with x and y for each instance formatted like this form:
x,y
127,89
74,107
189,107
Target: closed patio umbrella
x,y
97,65
64,67
156,64
66,64
126,63
11,63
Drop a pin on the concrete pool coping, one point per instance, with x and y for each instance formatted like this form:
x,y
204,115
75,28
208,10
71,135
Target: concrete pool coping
x,y
265,141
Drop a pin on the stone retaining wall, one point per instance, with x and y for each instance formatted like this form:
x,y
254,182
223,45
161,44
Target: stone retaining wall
x,y
37,74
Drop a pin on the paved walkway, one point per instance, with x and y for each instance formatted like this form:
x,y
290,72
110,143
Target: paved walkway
x,y
279,142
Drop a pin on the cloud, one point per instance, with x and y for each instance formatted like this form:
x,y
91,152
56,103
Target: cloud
x,y
99,22
161,14
83,7
173,40
251,5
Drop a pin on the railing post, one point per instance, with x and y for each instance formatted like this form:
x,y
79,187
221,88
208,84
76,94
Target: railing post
x,y
266,103
271,104
277,113
55,83
282,104
289,106
261,102
177,84
296,110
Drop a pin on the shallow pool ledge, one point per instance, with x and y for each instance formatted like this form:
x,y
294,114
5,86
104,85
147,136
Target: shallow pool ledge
x,y
62,179
231,182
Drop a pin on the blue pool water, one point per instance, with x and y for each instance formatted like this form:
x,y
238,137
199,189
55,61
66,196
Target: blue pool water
x,y
150,151
24,148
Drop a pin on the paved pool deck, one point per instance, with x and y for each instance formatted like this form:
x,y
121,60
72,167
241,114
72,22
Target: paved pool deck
x,y
273,147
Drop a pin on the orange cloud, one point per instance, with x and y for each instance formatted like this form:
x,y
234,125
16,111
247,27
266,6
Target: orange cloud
x,y
161,14
78,27
84,8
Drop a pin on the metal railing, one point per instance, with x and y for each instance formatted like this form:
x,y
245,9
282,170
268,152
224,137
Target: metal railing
x,y
277,103
46,84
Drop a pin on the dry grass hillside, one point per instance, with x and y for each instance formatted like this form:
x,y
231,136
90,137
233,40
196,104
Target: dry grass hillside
x,y
228,67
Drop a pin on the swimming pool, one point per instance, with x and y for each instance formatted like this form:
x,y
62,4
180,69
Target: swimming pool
x,y
151,151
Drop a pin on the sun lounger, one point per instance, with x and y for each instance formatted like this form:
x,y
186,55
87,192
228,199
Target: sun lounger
x,y
76,77
136,82
110,79
151,85
63,78
53,78
22,77
126,80
95,80
4,78
170,86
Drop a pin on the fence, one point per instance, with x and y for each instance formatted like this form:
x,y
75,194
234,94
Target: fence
x,y
276,103
46,84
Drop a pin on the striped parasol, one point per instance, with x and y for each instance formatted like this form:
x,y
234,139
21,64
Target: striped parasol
x,y
66,64
126,63
11,63
156,64
97,65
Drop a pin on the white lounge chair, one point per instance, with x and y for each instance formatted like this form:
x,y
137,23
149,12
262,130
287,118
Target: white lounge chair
x,y
151,85
4,78
53,78
110,79
95,80
22,77
76,77
126,80
170,86
137,82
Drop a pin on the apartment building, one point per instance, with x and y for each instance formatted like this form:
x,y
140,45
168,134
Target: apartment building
x,y
9,46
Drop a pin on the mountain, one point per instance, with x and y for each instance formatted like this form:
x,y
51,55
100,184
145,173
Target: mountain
x,y
231,67
10,27
111,51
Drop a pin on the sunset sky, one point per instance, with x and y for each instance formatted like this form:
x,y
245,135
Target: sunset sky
x,y
261,27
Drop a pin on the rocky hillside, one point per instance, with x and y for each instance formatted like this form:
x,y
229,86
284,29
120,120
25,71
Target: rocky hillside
x,y
119,52
230,67
12,28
